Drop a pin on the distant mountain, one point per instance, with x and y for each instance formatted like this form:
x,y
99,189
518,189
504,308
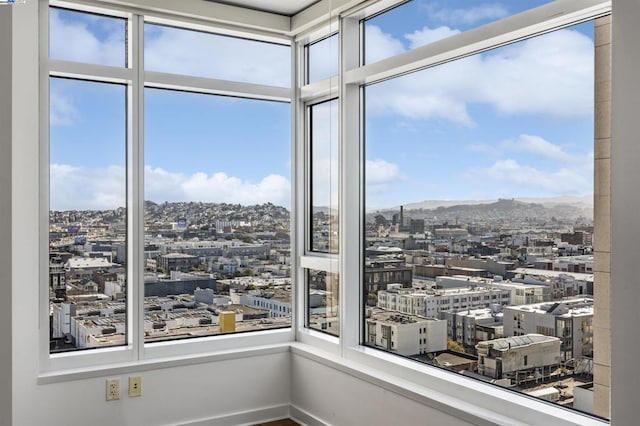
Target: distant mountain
x,y
585,202
526,210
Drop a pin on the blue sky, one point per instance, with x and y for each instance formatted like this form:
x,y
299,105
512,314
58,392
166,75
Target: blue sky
x,y
516,121
512,122
197,147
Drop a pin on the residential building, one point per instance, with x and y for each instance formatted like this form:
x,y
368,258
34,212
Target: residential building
x,y
571,320
519,358
406,334
470,326
431,302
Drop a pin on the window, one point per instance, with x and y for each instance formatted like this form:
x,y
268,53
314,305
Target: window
x,y
88,214
323,301
322,59
323,119
493,149
88,208
169,217
217,197
180,51
322,159
87,37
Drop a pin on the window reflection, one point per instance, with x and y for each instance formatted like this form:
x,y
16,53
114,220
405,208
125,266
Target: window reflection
x,y
323,300
324,176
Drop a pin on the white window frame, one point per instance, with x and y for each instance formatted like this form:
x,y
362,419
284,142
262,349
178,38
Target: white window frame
x,y
309,95
136,353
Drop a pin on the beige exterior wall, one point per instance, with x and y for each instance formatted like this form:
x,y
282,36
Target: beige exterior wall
x,y
602,218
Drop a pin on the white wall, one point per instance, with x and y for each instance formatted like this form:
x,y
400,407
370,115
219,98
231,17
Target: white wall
x,y
5,216
321,394
224,391
625,205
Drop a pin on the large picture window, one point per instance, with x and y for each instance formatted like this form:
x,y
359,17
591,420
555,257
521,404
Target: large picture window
x,y
479,221
169,216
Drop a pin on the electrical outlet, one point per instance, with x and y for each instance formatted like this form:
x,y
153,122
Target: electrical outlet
x,y
135,386
113,389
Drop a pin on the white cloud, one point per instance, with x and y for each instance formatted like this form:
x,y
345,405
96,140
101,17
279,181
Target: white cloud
x,y
380,45
200,54
74,41
509,172
379,176
429,35
434,94
547,75
380,171
550,75
78,188
467,16
540,147
218,187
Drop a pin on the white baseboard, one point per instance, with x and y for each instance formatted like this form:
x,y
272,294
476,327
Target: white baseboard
x,y
304,417
247,418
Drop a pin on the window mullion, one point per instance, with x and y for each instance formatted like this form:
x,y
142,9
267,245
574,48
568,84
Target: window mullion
x,y
299,198
44,119
136,187
349,185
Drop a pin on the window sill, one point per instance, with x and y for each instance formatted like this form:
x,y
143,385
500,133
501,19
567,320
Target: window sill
x,y
112,361
465,398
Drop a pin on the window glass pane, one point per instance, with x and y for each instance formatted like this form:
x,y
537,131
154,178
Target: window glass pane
x,y
88,215
323,59
324,176
417,23
87,37
323,301
217,224
479,215
200,54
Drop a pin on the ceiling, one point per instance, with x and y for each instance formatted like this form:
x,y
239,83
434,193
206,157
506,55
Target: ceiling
x,y
281,7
